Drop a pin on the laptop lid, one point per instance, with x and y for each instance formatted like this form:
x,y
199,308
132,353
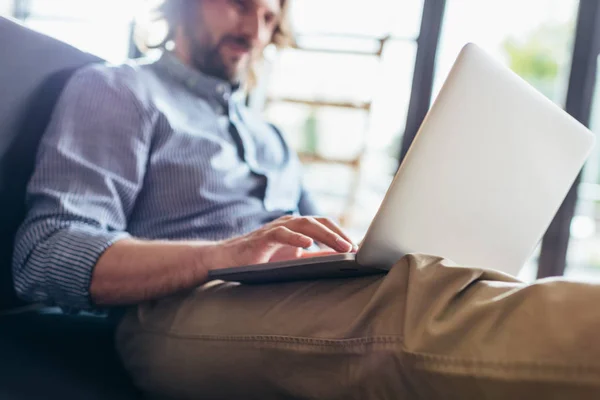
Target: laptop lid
x,y
486,173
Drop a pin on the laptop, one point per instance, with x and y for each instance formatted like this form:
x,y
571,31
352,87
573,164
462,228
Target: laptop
x,y
486,173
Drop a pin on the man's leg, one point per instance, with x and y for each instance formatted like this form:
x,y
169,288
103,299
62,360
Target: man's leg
x,y
427,330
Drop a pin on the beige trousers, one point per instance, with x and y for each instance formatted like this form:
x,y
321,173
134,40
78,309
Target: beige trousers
x,y
426,330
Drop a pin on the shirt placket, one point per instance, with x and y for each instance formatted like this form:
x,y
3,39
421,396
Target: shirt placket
x,y
243,137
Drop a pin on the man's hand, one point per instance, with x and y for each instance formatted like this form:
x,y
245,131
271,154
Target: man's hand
x,y
282,239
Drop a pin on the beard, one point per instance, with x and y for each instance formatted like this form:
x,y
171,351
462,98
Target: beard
x,y
209,60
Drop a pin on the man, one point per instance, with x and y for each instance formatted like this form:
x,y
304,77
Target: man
x,y
149,176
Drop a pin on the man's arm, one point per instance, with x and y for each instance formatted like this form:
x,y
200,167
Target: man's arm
x,y
132,271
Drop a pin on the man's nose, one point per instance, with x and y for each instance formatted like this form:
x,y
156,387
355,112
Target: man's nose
x,y
255,29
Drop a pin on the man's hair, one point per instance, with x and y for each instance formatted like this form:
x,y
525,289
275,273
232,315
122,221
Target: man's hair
x,y
170,13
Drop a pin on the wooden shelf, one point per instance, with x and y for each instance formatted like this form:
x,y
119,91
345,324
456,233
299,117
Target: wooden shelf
x,y
337,51
322,103
316,158
376,52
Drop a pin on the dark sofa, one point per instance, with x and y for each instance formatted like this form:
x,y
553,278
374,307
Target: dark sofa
x,y
44,354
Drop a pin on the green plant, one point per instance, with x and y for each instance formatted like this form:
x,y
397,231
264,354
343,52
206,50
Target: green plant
x,y
311,132
538,56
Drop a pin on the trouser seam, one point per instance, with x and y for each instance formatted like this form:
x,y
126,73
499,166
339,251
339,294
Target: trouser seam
x,y
382,339
450,361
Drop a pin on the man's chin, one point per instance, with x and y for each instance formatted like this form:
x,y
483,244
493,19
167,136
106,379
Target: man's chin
x,y
235,71
231,75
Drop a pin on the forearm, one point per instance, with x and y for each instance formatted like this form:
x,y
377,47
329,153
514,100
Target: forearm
x,y
132,271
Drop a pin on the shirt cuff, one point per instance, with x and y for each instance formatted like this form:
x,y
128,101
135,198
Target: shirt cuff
x,y
74,260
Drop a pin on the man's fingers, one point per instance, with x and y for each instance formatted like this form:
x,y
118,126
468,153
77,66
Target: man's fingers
x,y
309,254
283,235
286,253
334,227
311,227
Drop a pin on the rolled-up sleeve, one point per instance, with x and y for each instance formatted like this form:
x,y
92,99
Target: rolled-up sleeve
x,y
89,170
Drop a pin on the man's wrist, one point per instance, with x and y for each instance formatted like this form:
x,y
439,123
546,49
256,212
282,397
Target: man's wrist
x,y
205,257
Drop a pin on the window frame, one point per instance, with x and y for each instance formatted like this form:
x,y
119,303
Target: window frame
x,y
580,92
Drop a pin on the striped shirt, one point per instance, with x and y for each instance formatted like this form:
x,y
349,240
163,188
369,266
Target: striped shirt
x,y
149,150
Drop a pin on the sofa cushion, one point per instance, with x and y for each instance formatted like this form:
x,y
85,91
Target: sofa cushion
x,y
33,72
60,356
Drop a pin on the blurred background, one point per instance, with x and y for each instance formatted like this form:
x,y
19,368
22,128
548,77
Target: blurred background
x,y
351,94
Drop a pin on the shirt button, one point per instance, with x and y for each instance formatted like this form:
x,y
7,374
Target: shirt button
x,y
191,82
267,204
221,89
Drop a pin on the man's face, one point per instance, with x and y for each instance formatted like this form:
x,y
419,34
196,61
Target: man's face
x,y
224,36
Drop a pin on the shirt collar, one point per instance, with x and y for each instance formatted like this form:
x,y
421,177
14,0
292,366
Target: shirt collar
x,y
211,88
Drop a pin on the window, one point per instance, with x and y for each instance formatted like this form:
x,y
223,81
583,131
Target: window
x,y
534,38
6,7
100,27
583,256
